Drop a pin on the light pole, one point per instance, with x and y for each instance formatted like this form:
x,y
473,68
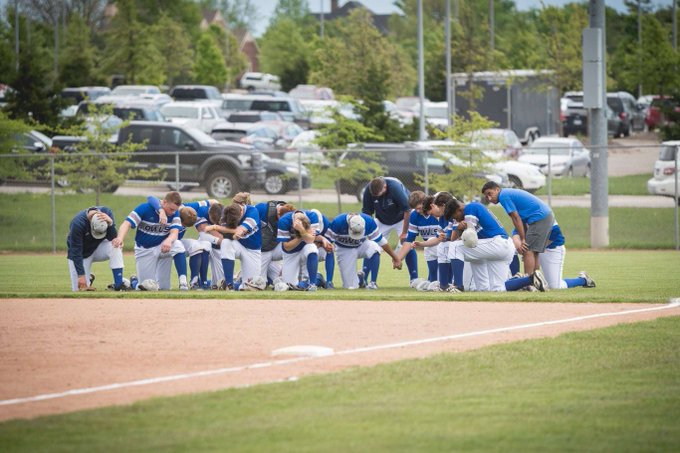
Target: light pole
x,y
449,101
421,73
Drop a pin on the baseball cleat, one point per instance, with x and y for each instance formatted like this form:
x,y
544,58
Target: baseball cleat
x,y
311,288
530,288
195,284
590,283
92,277
453,289
539,281
320,281
330,285
134,281
372,285
183,287
362,280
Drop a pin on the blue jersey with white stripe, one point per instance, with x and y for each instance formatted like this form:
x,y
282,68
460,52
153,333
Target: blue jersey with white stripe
x,y
285,228
483,220
529,207
251,222
427,226
150,232
338,232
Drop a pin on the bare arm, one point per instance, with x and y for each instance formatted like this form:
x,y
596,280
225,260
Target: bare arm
x,y
519,227
124,228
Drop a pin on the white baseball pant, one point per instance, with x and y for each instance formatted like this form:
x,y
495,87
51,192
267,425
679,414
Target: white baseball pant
x,y
456,252
152,263
490,262
104,252
552,265
194,247
250,258
293,262
347,258
385,230
270,267
216,270
322,258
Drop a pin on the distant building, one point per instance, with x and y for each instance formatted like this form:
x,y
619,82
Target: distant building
x,y
381,21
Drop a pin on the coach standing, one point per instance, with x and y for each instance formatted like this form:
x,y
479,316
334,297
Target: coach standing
x,y
89,240
387,198
533,220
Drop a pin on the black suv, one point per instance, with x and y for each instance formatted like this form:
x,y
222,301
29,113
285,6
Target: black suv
x,y
222,168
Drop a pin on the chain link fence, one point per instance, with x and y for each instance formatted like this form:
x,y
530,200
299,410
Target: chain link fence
x,y
41,192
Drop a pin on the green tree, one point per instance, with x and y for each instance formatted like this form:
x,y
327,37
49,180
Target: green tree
x,y
335,137
234,60
342,59
465,161
174,45
77,62
295,10
209,67
10,129
285,52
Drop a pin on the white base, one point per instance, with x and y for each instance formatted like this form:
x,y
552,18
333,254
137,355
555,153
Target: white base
x,y
304,351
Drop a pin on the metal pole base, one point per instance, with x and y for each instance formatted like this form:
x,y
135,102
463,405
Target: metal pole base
x,y
599,232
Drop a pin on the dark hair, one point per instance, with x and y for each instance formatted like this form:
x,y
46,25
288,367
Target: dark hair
x,y
215,212
450,208
376,185
173,197
231,215
490,185
427,204
188,216
441,198
415,198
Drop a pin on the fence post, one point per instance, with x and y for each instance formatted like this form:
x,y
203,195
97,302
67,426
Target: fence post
x,y
299,151
54,206
177,171
427,172
549,178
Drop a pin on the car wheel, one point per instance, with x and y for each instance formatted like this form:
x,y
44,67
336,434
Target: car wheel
x,y
221,184
275,184
515,182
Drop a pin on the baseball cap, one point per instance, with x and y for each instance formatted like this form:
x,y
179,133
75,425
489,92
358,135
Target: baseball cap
x,y
356,226
98,227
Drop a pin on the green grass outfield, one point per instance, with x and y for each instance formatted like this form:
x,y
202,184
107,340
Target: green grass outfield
x,y
613,389
618,185
26,222
621,276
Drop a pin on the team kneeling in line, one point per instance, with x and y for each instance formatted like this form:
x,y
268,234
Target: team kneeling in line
x,y
465,246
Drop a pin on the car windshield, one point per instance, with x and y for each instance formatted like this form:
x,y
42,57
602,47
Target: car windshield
x,y
667,153
436,112
179,111
556,148
241,118
43,138
200,136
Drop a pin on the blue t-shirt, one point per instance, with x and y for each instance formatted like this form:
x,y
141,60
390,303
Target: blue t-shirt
x,y
150,232
390,207
285,229
484,221
338,232
426,226
80,242
529,207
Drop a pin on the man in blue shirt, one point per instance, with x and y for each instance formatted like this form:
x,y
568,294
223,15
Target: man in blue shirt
x,y
532,219
89,240
155,242
387,198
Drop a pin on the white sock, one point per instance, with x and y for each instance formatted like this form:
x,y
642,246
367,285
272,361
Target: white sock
x,y
182,279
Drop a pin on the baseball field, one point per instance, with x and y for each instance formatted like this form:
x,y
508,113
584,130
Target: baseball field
x,y
579,369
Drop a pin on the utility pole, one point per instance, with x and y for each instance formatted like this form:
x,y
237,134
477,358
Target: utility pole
x,y
595,99
639,50
16,33
56,39
421,73
321,31
449,101
491,26
675,25
455,10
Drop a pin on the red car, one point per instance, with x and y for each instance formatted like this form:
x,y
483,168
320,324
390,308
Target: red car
x,y
661,106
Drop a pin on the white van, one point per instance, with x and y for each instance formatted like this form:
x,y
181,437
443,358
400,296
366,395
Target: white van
x,y
663,182
252,81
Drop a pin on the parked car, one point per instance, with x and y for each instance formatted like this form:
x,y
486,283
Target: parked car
x,y
135,90
290,109
72,96
200,115
436,114
625,106
574,116
502,142
659,109
125,108
312,92
259,80
304,149
663,182
282,176
519,175
568,156
29,169
197,93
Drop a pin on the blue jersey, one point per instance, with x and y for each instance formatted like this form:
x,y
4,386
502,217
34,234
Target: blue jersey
x,y
150,232
324,224
338,232
484,221
426,226
201,208
555,239
80,242
251,222
285,228
390,207
529,207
